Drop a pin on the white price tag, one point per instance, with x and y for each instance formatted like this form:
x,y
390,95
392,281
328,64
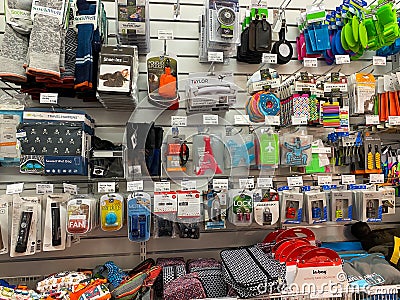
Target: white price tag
x,y
189,185
342,59
328,87
210,119
325,179
272,120
15,188
268,58
44,188
310,62
242,120
70,188
372,120
246,183
299,120
20,134
178,121
264,182
106,187
348,179
215,56
48,98
133,186
295,181
379,60
165,34
220,184
162,186
394,120
376,178
321,150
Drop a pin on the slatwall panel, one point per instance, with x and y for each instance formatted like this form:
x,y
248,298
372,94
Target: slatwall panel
x,y
98,247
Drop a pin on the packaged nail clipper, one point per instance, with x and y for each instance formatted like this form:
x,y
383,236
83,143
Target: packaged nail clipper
x,y
24,225
55,232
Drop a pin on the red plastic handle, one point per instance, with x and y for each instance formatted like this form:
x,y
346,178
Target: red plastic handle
x,y
272,235
284,252
299,232
297,253
319,257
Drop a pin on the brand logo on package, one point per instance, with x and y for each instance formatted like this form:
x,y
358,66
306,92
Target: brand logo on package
x,y
317,272
199,81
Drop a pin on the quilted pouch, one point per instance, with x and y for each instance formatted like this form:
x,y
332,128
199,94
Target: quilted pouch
x,y
164,262
194,265
213,282
184,288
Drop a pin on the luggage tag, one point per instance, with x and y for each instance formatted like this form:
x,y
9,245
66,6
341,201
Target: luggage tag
x,y
239,151
79,211
241,213
111,212
139,217
266,207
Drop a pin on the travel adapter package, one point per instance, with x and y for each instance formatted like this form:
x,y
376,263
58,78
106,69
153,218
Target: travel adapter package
x,y
55,233
208,154
241,207
165,207
266,207
239,150
369,207
24,225
80,212
215,204
316,205
4,223
207,92
138,217
341,204
388,200
291,207
111,212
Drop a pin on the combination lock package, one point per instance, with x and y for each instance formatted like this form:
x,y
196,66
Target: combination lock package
x,y
341,206
241,207
266,207
291,207
316,207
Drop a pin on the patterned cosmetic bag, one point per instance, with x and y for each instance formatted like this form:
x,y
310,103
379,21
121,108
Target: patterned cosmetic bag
x,y
172,267
194,265
251,272
186,287
213,282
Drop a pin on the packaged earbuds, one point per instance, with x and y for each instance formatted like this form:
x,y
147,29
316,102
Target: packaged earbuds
x,y
55,234
111,212
266,207
291,207
241,207
215,203
139,214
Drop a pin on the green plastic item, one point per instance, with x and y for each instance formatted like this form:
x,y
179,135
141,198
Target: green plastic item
x,y
344,42
269,149
314,165
362,32
348,35
354,25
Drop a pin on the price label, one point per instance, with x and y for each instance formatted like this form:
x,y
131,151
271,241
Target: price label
x,y
44,188
163,186
310,62
394,120
220,184
321,150
246,183
325,179
15,188
133,186
215,56
70,188
178,121
189,185
106,187
376,178
342,59
379,60
348,179
272,120
372,120
164,34
295,181
48,98
210,119
264,182
328,87
269,58
299,120
242,120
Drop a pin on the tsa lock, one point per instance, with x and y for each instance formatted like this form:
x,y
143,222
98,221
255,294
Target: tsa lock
x,y
370,210
316,212
267,216
339,211
290,212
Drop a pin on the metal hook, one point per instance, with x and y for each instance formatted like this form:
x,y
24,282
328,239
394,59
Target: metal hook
x,y
165,47
211,69
177,10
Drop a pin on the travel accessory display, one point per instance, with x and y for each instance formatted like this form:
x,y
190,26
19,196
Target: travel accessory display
x,y
296,149
291,207
207,154
24,225
138,217
316,205
341,206
241,207
162,80
266,207
133,24
55,234
79,214
165,207
117,80
267,149
206,92
111,212
189,214
215,205
239,150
